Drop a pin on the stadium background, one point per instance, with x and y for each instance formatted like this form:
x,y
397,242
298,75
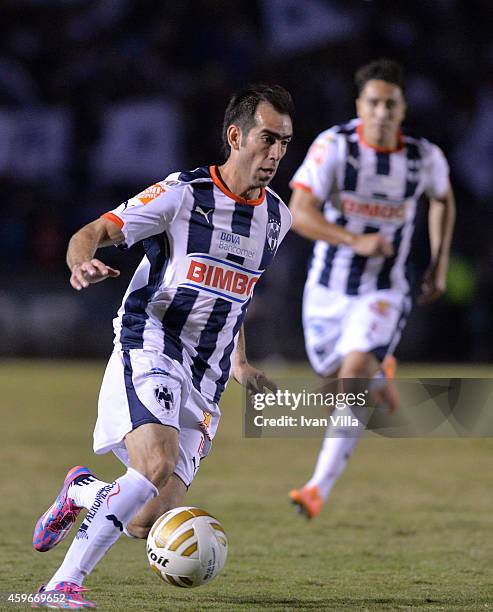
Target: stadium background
x,y
99,99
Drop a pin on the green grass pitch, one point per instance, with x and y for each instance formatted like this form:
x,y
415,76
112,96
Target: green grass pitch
x,y
408,527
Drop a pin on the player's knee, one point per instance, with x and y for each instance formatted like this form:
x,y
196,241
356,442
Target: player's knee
x,y
353,371
162,469
157,468
357,365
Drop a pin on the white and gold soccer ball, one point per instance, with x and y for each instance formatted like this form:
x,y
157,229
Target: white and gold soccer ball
x,y
187,547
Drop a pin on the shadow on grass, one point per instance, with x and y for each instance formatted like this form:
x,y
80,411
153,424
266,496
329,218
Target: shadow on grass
x,y
346,603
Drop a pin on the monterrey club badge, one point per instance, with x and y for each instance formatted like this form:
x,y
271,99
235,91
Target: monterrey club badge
x,y
164,397
273,231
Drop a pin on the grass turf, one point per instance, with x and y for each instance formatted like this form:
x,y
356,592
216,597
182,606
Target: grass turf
x,y
408,527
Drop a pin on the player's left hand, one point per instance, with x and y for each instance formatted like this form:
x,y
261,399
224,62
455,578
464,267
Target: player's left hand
x,y
90,272
255,381
434,284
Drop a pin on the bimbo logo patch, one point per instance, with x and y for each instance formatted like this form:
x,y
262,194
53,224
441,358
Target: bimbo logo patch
x,y
382,211
230,281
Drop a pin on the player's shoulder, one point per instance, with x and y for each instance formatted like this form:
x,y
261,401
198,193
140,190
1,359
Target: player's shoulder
x,y
348,128
173,185
185,177
283,208
335,132
420,147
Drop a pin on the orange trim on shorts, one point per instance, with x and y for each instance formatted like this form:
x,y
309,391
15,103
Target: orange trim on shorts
x,y
302,186
219,183
400,142
112,217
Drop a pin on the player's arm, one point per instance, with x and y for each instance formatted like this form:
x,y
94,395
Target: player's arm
x,y
148,213
441,220
252,379
309,222
83,245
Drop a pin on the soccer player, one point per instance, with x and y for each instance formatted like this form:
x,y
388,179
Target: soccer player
x,y
355,195
208,235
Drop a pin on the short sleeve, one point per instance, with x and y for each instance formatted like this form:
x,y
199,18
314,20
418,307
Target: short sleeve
x,y
149,212
437,170
317,173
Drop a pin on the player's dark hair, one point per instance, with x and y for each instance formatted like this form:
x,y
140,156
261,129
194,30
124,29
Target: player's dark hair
x,y
243,105
382,69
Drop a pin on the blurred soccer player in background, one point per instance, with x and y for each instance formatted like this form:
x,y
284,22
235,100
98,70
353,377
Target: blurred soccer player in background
x,y
355,195
208,235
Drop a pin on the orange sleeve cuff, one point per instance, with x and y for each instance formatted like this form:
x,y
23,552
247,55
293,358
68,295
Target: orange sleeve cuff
x,y
302,186
112,217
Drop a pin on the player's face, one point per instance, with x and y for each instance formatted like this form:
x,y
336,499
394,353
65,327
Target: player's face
x,y
265,145
381,108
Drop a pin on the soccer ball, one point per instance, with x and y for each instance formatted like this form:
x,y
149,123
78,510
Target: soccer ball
x,y
187,547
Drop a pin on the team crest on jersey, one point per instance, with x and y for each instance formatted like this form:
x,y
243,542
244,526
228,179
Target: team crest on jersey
x,y
151,193
164,397
273,231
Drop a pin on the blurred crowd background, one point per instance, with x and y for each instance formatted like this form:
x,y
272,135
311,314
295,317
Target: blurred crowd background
x,y
101,98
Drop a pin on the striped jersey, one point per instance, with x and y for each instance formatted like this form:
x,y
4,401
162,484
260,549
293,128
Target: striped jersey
x,y
205,250
367,189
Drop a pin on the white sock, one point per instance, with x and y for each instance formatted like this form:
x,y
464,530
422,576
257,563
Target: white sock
x,y
113,507
83,492
337,447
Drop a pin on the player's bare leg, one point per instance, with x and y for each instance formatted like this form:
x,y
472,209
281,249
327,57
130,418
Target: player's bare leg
x,y
170,496
359,365
153,452
340,441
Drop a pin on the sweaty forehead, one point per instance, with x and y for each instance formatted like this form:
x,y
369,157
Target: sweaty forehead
x,y
375,88
267,118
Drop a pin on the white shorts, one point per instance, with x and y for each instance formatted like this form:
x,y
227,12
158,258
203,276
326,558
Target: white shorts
x,y
142,386
336,324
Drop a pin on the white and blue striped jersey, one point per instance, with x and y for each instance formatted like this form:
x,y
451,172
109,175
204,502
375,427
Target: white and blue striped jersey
x,y
205,249
366,189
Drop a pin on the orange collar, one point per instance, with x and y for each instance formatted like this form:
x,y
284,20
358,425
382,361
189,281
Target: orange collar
x,y
400,142
220,184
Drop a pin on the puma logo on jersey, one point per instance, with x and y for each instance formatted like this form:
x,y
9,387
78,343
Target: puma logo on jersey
x,y
204,213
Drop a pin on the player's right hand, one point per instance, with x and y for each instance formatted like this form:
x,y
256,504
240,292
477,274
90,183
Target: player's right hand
x,y
372,245
385,395
90,272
